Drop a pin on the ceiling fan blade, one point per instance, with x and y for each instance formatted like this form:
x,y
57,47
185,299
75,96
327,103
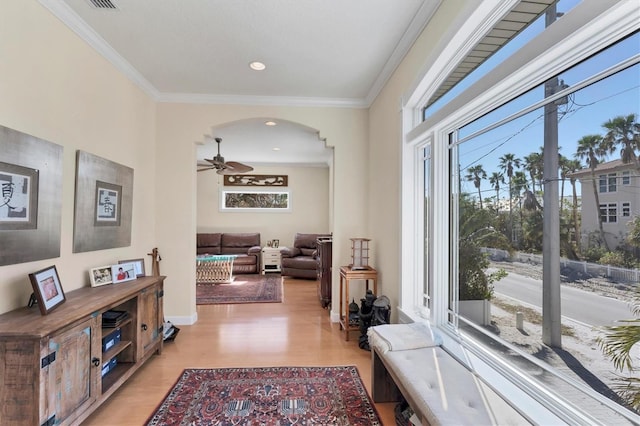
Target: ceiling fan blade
x,y
207,168
233,167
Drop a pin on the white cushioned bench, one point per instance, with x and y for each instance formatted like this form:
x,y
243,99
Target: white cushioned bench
x,y
408,361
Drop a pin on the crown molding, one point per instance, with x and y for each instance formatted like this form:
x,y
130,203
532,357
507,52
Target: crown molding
x,y
417,25
195,98
71,19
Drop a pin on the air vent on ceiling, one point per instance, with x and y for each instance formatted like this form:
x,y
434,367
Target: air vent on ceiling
x,y
103,4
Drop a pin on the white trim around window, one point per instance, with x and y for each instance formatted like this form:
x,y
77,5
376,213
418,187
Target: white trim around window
x,y
588,28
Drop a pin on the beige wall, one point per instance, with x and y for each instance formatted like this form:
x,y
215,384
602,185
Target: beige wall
x,y
180,126
309,197
55,87
386,138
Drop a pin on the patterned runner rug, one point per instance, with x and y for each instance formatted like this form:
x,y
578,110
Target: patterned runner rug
x,y
271,396
249,288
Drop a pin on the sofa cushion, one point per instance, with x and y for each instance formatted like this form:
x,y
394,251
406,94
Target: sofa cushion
x,y
307,241
208,243
300,263
240,240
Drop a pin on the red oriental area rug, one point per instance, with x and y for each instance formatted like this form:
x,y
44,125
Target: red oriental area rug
x,y
271,396
249,288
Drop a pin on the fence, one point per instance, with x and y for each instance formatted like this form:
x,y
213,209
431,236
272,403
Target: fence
x,y
622,275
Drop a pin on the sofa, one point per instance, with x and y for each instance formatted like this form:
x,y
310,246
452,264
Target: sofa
x,y
301,260
246,247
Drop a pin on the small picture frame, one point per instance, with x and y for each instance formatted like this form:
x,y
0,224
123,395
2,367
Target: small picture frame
x,y
139,265
100,276
47,289
123,272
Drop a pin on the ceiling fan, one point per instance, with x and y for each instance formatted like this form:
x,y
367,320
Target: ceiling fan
x,y
222,167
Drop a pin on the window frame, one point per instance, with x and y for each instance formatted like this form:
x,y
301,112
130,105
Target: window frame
x,y
580,36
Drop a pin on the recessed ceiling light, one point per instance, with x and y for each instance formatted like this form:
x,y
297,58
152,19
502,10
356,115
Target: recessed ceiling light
x,y
257,66
270,123
276,149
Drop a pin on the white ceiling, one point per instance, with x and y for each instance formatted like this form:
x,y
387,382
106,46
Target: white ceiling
x,y
317,53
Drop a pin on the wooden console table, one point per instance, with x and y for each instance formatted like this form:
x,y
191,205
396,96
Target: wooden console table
x,y
346,275
59,368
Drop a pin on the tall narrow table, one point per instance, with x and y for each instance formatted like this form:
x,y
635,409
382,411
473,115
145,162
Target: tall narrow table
x,y
346,275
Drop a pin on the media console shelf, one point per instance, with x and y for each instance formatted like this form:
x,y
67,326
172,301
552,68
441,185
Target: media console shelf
x,y
54,369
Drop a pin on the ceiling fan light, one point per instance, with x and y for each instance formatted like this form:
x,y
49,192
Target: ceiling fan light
x,y
257,66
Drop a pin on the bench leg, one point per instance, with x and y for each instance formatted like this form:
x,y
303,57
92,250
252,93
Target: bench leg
x,y
383,388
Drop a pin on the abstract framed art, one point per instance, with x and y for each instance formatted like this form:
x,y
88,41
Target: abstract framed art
x,y
103,204
19,202
31,197
108,202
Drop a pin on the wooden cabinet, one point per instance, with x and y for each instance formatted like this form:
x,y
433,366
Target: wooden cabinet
x,y
51,367
324,270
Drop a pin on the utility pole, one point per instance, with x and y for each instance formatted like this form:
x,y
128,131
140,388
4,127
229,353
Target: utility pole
x,y
551,307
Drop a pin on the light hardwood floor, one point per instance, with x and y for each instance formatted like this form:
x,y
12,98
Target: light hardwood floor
x,y
296,332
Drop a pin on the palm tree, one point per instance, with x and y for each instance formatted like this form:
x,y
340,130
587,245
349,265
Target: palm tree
x,y
591,149
563,165
533,163
507,163
617,342
519,184
475,174
573,166
495,180
623,132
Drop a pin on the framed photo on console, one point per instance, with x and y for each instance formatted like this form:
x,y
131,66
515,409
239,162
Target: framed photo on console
x,y
123,272
100,276
139,265
47,289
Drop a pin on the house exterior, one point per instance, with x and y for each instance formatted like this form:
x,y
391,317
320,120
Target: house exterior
x,y
617,186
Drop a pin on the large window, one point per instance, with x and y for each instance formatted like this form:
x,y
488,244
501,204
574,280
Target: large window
x,y
515,221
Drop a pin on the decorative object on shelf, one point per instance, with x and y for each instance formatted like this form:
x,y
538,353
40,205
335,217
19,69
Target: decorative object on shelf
x,y
360,253
275,243
30,197
103,204
47,289
100,276
139,265
123,272
256,180
155,261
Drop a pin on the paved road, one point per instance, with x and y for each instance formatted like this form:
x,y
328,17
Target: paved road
x,y
584,306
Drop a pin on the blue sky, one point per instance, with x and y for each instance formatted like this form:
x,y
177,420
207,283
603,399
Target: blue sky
x,y
583,114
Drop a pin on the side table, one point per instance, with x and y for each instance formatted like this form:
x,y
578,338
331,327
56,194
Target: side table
x,y
346,275
271,260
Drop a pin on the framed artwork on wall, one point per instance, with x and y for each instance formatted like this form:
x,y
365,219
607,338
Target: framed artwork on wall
x,y
103,204
30,197
255,200
19,202
108,201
